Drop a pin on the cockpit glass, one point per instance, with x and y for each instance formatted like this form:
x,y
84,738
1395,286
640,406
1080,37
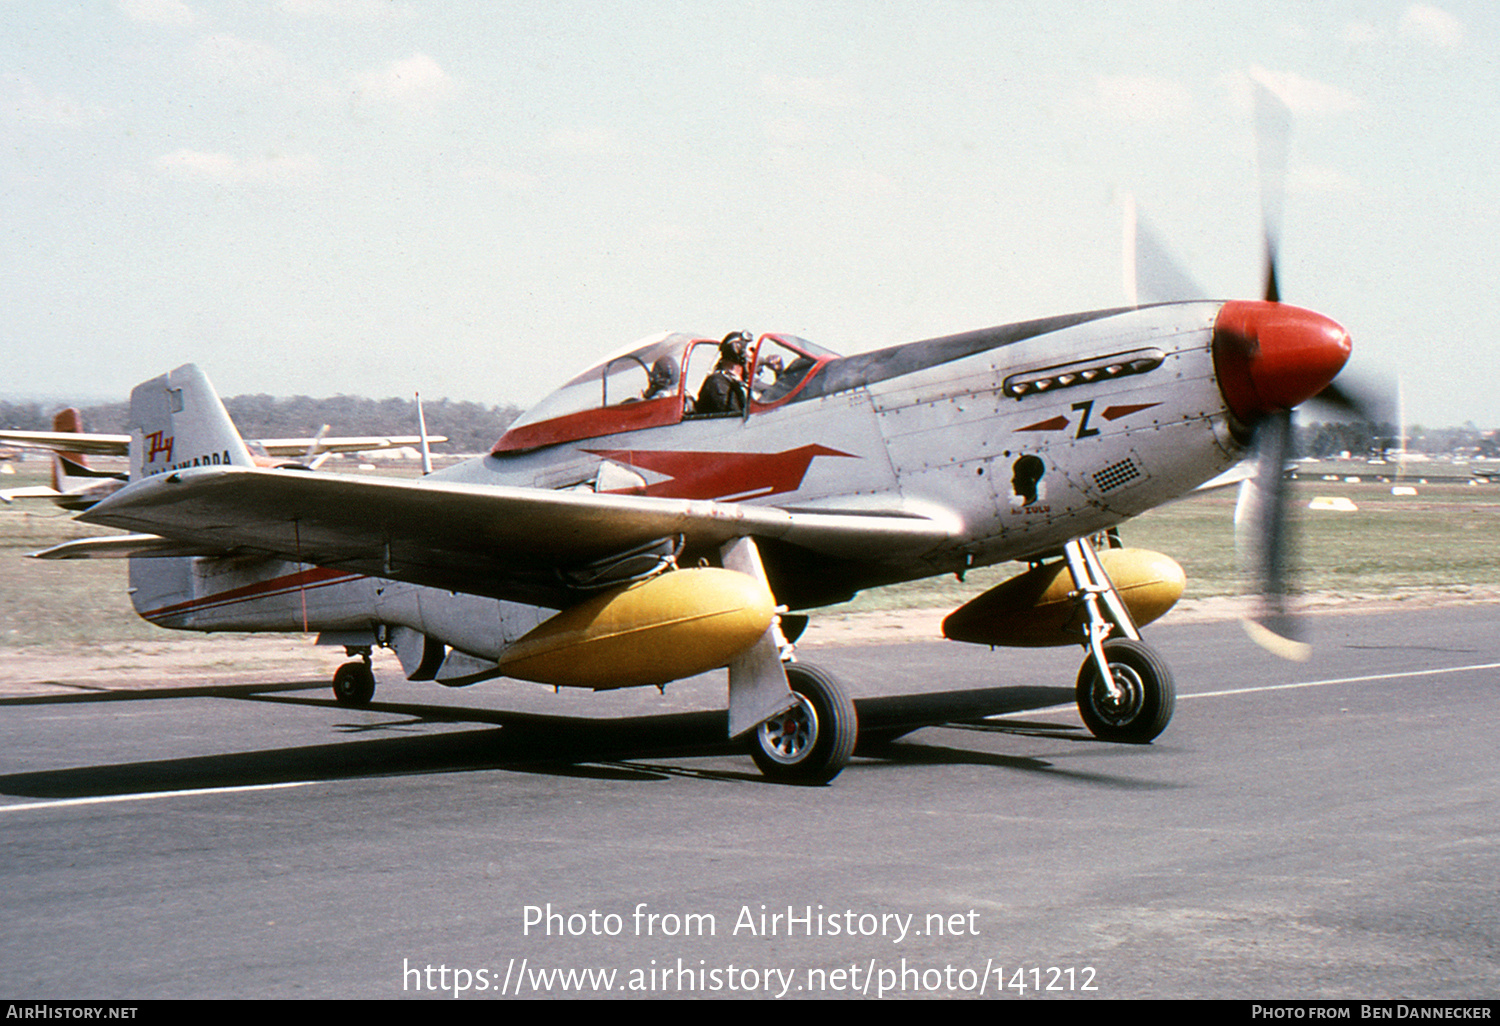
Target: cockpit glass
x,y
655,382
780,368
646,371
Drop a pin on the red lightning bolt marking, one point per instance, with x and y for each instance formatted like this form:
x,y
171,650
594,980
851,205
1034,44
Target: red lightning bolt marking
x,y
1116,412
1055,424
722,475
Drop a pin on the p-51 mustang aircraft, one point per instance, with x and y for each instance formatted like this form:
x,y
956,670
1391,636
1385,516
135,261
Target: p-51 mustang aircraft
x,y
619,536
668,511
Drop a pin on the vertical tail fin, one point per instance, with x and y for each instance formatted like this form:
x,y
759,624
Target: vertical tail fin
x,y
70,422
77,485
177,421
69,467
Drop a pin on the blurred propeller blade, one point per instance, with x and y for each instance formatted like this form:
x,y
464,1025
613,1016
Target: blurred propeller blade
x,y
1152,273
1273,133
1263,538
1360,400
1262,524
1340,398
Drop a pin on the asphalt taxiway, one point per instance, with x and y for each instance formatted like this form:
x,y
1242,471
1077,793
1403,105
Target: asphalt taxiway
x,y
1317,830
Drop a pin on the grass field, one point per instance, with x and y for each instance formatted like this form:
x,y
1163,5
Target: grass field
x,y
44,602
1441,540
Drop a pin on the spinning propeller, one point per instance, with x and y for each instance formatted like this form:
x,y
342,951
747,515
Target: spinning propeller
x,y
1269,358
1300,366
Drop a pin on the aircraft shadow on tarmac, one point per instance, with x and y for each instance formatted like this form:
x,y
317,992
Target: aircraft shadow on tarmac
x,y
528,742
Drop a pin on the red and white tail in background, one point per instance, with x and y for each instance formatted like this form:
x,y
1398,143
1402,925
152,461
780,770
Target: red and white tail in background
x,y
75,484
72,477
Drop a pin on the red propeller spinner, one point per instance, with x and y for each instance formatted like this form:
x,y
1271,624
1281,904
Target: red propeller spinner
x,y
1269,357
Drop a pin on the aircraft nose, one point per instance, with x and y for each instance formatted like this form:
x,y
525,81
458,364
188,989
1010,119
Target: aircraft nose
x,y
1270,356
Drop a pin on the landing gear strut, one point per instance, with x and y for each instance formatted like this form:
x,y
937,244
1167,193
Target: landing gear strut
x,y
354,683
807,742
1125,690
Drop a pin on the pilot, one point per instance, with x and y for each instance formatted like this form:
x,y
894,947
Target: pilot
x,y
724,390
663,377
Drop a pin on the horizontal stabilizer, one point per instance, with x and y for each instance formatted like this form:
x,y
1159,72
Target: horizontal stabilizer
x,y
122,546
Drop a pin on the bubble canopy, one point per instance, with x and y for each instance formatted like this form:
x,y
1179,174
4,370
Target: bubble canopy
x,y
654,382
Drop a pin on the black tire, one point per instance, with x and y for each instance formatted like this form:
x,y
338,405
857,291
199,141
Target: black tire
x,y
1145,708
813,741
354,684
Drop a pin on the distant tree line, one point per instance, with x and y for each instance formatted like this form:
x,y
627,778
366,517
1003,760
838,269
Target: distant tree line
x,y
469,427
472,427
1373,439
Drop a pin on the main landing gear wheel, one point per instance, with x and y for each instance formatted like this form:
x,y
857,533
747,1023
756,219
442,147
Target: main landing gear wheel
x,y
812,741
1144,706
354,684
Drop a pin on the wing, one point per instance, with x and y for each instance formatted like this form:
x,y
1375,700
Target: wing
x,y
505,542
358,443
119,445
1242,471
68,441
32,492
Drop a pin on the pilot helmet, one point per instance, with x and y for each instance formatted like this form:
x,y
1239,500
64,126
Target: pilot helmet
x,y
735,346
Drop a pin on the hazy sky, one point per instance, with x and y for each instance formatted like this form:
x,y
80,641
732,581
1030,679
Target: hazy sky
x,y
476,199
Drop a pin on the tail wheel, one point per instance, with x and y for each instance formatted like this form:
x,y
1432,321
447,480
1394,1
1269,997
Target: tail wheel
x,y
812,741
354,684
1146,698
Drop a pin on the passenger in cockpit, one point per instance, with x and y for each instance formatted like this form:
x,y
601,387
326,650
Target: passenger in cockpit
x,y
767,372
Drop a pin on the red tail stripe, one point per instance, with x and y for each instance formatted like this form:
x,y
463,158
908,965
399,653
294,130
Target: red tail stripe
x,y
316,577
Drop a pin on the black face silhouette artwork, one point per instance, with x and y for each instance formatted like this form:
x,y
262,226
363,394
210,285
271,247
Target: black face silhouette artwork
x,y
1025,481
